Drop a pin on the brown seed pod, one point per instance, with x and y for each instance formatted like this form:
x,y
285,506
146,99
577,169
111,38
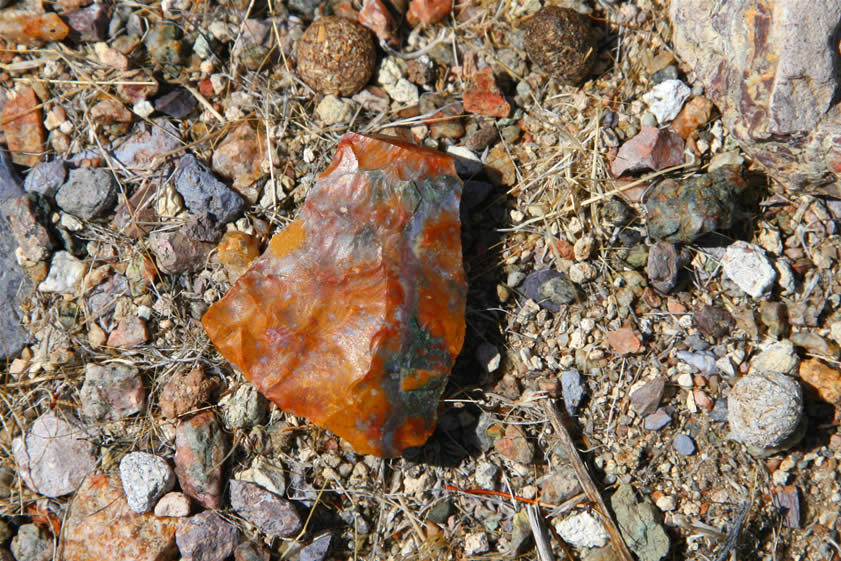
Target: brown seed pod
x,y
562,43
336,56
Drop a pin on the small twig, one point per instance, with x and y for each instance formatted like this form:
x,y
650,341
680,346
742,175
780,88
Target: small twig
x,y
587,482
206,104
541,536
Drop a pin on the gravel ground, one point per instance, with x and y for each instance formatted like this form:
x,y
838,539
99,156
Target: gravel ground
x,y
539,196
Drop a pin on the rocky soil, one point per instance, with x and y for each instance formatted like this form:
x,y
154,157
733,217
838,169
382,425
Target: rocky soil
x,y
653,271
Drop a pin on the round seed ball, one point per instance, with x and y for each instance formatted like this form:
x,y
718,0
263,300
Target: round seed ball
x,y
336,56
764,409
562,43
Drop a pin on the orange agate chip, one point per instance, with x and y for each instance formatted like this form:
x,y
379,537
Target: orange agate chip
x,y
354,315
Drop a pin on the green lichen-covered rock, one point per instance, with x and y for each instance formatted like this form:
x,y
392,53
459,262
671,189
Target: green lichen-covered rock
x,y
638,522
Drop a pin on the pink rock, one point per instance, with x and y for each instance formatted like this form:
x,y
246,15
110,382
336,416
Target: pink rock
x,y
100,525
206,537
54,455
112,392
173,505
130,332
483,96
239,157
514,445
651,149
200,451
273,515
375,16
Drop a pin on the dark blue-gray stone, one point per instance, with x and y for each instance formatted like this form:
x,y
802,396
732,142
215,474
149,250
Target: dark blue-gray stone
x,y
88,193
12,278
202,192
550,289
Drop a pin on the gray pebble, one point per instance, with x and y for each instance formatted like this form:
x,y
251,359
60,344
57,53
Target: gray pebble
x,y
719,411
684,445
87,193
572,390
550,289
45,178
32,544
765,409
202,192
657,420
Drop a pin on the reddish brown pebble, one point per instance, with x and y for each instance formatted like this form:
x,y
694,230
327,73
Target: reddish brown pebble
x,y
514,445
236,251
428,11
624,341
651,149
239,157
693,115
561,42
185,391
110,111
821,380
32,29
702,399
23,125
336,56
483,97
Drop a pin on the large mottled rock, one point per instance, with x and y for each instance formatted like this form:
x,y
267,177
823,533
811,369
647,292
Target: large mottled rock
x,y
54,455
355,313
771,68
102,526
200,451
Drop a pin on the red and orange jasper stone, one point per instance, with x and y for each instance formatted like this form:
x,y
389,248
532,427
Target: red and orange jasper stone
x,y
354,315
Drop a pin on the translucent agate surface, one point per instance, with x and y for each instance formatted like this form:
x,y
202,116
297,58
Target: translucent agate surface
x,y
354,314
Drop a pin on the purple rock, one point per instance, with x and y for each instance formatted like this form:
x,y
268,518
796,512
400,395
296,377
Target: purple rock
x,y
45,178
202,192
663,266
88,24
273,515
177,103
205,537
646,398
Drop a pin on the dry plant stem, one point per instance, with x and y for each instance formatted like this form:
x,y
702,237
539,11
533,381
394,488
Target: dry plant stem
x,y
541,536
586,481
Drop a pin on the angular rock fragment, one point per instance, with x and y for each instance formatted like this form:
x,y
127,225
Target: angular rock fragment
x,y
22,123
683,211
355,313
